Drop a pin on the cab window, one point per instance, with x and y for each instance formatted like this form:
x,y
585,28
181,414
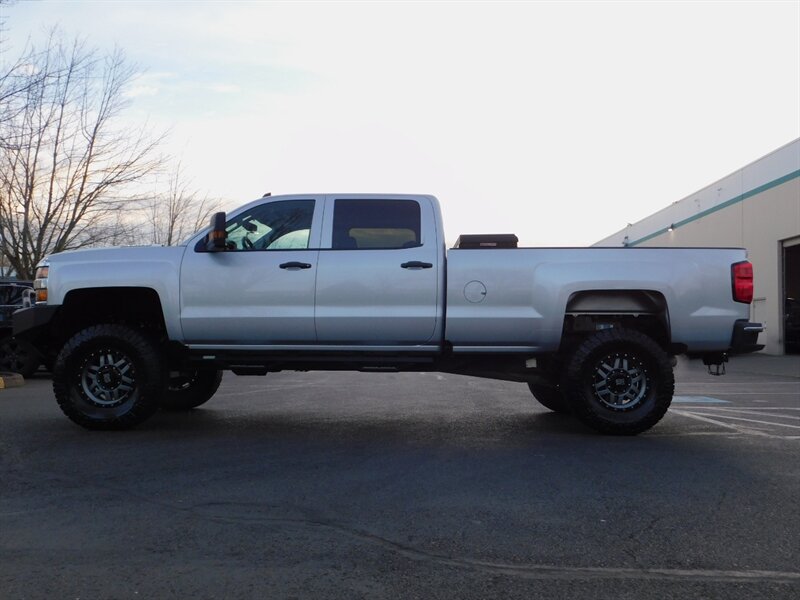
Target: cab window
x,y
375,224
279,225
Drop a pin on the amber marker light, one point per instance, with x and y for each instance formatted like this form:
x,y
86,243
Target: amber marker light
x,y
40,283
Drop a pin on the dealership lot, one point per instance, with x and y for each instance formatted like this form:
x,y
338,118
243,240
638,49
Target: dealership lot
x,y
350,485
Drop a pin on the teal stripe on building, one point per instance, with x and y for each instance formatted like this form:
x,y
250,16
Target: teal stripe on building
x,y
754,192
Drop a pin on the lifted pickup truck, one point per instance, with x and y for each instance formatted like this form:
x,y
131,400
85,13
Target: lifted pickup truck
x,y
364,282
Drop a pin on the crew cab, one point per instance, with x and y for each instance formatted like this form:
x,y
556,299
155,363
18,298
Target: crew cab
x,y
365,282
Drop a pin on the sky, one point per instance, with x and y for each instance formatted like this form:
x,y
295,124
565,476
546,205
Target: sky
x,y
560,122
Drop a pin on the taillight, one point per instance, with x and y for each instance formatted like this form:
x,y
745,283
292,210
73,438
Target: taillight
x,y
742,275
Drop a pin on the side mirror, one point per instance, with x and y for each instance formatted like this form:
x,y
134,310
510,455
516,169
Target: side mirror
x,y
216,238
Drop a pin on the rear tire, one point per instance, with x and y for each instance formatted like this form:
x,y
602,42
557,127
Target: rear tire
x,y
618,381
190,389
550,397
108,377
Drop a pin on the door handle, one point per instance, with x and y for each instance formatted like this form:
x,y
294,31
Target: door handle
x,y
415,264
295,265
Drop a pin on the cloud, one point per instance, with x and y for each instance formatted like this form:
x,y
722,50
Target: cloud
x,y
565,129
225,88
141,90
150,84
27,69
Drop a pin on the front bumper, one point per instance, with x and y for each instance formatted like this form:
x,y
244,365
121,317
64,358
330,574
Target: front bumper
x,y
33,324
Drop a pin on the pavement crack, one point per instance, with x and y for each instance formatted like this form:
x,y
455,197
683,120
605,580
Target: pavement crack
x,y
634,538
520,570
209,511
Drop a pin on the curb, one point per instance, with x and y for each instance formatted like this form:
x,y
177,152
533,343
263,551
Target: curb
x,y
9,380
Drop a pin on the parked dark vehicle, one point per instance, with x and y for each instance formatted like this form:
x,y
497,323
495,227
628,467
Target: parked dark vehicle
x,y
16,356
792,325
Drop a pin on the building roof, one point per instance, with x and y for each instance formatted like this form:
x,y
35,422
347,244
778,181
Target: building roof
x,y
774,169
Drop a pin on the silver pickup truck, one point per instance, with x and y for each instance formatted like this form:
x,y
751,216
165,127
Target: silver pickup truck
x,y
364,282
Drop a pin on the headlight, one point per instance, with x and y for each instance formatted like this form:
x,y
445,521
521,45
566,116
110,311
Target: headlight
x,y
40,283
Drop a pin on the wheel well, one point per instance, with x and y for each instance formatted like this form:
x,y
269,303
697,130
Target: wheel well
x,y
137,307
594,310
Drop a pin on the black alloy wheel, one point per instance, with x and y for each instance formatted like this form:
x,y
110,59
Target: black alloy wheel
x,y
108,377
618,381
189,389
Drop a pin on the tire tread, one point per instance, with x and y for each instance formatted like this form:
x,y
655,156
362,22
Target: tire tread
x,y
594,416
149,386
208,382
550,397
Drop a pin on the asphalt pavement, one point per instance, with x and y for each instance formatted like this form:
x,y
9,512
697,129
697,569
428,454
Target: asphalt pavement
x,y
351,485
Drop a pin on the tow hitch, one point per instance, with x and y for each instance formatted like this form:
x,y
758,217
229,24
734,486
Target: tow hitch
x,y
716,363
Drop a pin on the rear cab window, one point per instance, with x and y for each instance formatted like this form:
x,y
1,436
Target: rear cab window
x,y
375,225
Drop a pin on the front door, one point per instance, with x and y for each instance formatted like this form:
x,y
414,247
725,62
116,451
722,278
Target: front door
x,y
261,290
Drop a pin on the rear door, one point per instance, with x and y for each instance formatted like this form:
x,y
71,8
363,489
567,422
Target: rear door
x,y
377,279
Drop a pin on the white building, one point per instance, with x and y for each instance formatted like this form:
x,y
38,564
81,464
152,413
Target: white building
x,y
757,208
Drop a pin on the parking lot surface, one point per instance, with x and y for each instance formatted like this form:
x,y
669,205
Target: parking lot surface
x,y
350,485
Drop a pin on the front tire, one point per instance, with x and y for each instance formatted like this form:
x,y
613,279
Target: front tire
x,y
189,389
108,377
619,381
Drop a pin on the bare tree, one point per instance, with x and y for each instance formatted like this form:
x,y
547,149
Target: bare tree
x,y
8,90
179,211
16,79
68,165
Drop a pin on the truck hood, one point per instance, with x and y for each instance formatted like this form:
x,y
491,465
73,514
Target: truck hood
x,y
151,267
119,254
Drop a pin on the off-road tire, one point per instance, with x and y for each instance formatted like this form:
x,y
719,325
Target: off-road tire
x,y
108,377
550,397
618,381
18,356
190,389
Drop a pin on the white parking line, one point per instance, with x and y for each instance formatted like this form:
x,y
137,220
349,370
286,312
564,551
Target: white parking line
x,y
724,383
795,394
753,411
757,408
721,424
718,414
729,417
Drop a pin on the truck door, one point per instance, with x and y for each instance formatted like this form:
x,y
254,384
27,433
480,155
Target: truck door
x,y
378,275
261,290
